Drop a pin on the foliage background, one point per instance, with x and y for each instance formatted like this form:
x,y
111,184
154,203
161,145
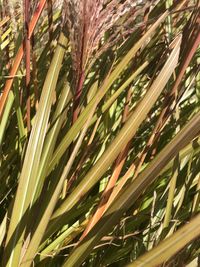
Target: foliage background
x,y
99,133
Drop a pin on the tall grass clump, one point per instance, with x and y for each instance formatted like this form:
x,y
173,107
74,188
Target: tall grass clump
x,y
99,133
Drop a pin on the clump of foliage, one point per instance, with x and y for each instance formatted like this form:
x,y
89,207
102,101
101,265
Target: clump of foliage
x,y
99,133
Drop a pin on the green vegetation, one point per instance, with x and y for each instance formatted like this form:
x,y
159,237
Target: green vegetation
x,y
99,133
